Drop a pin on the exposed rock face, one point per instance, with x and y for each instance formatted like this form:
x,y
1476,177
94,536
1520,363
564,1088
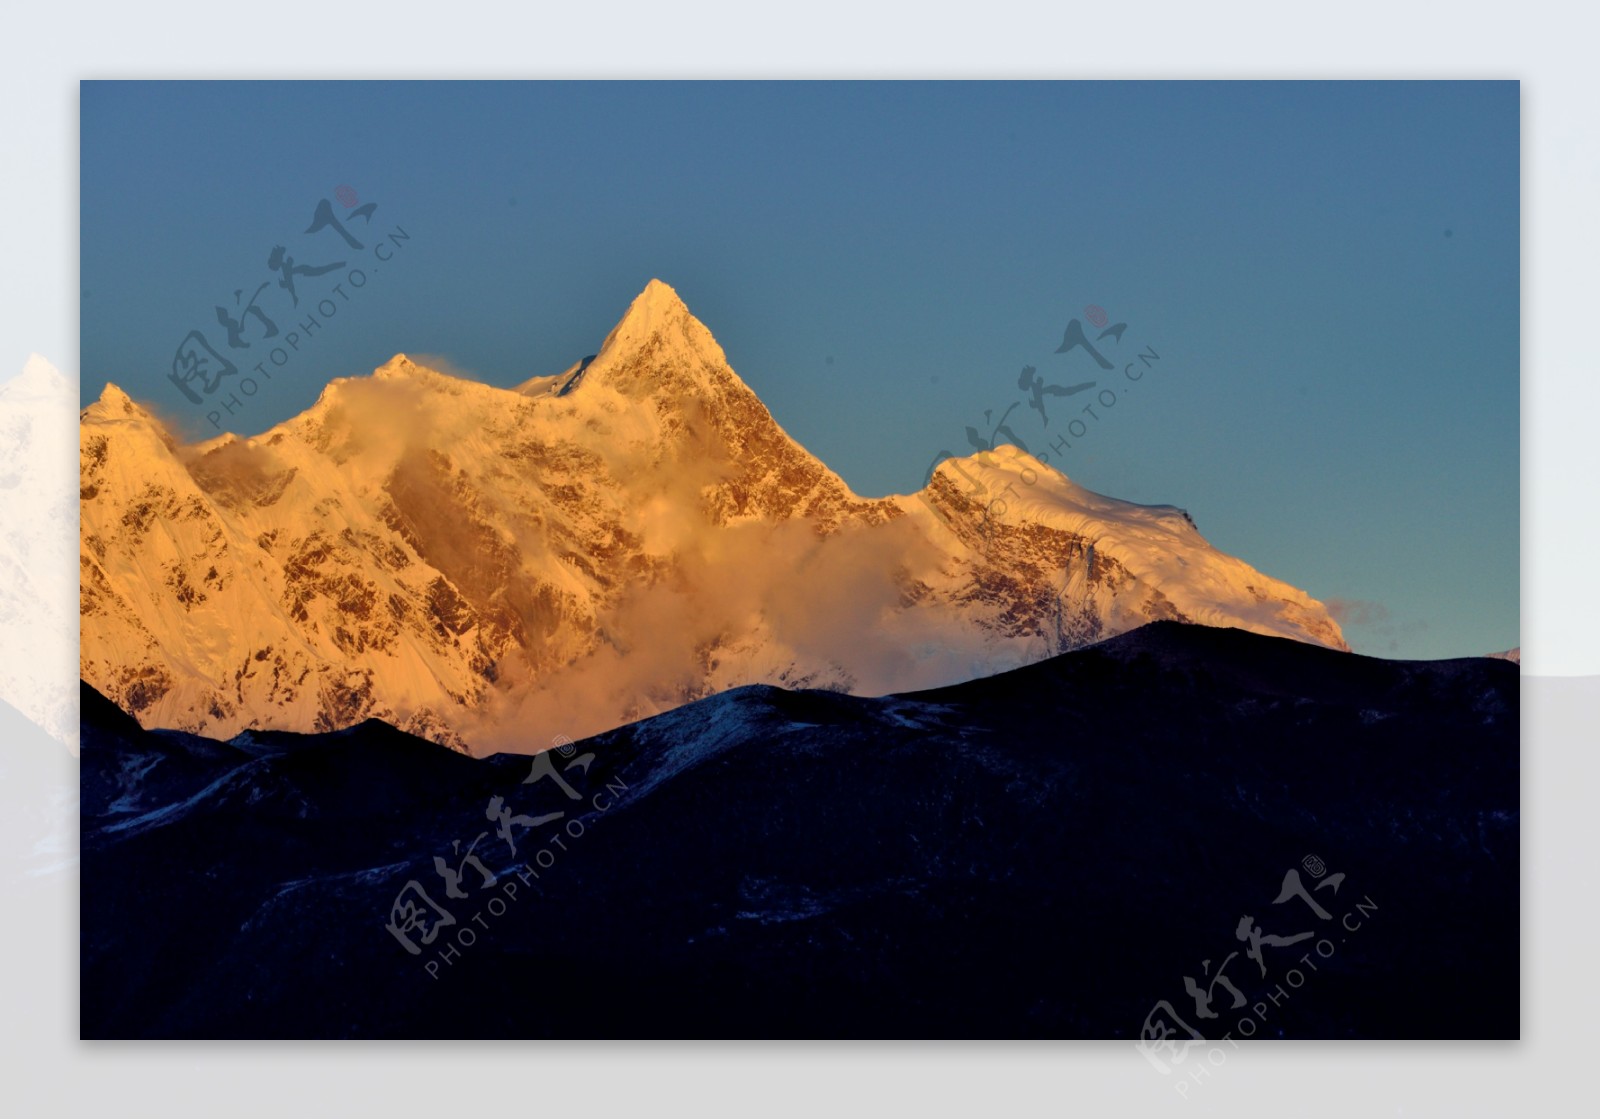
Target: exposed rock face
x,y
492,567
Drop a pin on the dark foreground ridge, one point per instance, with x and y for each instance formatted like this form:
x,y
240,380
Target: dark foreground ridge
x,y
1045,853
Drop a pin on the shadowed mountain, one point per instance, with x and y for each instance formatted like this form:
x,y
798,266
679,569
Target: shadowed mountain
x,y
1044,853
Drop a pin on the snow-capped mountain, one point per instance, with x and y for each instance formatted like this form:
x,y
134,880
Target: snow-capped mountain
x,y
37,583
498,566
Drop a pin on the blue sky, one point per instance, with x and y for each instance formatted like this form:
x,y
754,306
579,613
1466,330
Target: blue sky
x,y
1329,272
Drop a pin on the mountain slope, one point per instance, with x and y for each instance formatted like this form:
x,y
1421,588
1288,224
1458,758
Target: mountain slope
x,y
37,586
1046,853
495,567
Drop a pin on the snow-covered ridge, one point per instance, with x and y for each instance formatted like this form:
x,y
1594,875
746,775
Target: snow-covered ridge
x,y
1157,545
496,566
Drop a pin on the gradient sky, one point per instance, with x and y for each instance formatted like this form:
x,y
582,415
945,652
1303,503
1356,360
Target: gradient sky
x,y
1329,271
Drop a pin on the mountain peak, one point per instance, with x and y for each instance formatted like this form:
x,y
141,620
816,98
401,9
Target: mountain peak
x,y
656,330
657,305
115,407
114,404
658,295
659,312
38,378
658,289
396,367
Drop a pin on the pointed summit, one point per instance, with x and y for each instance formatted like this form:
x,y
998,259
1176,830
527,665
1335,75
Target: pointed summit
x,y
659,292
659,297
657,337
659,313
657,306
114,404
396,367
38,378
